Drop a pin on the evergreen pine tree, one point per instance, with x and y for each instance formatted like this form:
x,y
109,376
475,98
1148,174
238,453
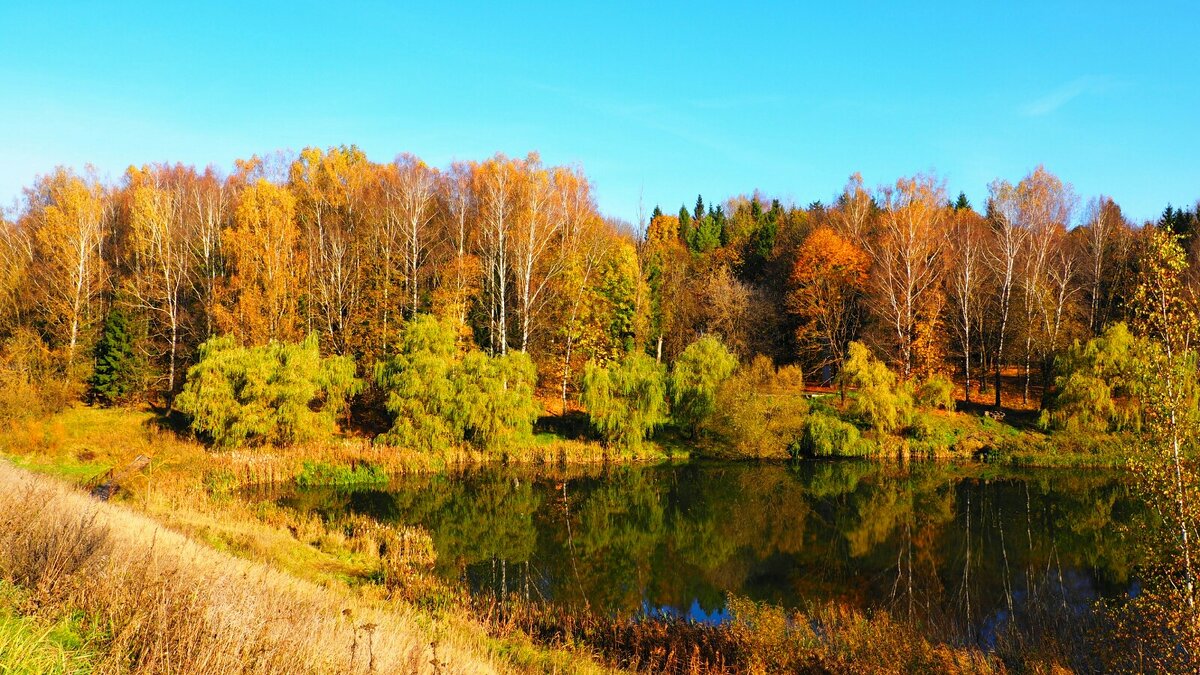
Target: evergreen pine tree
x,y
685,223
119,369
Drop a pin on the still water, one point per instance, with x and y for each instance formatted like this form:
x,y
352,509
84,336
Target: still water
x,y
967,547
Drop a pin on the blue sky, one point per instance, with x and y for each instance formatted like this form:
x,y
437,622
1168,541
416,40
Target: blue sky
x,y
657,102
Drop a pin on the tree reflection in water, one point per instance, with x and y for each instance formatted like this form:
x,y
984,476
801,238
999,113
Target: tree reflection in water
x,y
965,550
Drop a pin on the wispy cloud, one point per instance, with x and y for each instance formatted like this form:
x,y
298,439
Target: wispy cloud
x,y
665,119
735,102
1063,95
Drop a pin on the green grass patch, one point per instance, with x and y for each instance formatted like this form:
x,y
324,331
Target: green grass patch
x,y
315,474
33,646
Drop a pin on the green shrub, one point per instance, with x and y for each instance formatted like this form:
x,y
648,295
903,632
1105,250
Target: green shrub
x,y
935,391
280,393
760,412
695,378
1096,384
496,409
828,436
30,382
438,395
626,401
314,474
219,481
880,402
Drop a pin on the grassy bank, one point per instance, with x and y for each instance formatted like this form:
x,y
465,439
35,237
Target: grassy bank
x,y
179,573
147,599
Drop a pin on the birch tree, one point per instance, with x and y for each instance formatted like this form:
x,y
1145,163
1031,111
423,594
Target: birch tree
x,y
498,189
161,253
328,189
413,195
210,203
1006,247
906,255
66,216
1102,218
965,263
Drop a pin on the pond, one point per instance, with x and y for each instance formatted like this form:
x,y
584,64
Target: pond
x,y
964,548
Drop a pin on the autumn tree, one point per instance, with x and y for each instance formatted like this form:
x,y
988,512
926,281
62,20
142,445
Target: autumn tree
x,y
906,264
965,282
66,216
460,278
161,253
266,265
827,282
664,263
581,333
16,263
328,188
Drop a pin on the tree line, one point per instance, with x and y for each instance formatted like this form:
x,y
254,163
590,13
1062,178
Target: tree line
x,y
516,256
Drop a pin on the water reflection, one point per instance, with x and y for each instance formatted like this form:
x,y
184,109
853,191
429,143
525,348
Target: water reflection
x,y
965,550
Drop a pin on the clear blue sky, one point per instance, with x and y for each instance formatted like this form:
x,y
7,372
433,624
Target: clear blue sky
x,y
663,101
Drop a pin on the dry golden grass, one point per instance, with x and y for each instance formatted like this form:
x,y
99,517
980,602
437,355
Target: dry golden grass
x,y
168,604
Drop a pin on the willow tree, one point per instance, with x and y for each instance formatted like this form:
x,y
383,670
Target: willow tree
x,y
281,393
625,401
695,378
439,395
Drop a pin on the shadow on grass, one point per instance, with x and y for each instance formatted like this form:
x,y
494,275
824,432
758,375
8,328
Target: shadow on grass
x,y
571,425
1024,420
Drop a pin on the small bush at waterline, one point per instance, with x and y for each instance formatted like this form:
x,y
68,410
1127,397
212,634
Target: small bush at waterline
x,y
828,436
760,411
319,473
